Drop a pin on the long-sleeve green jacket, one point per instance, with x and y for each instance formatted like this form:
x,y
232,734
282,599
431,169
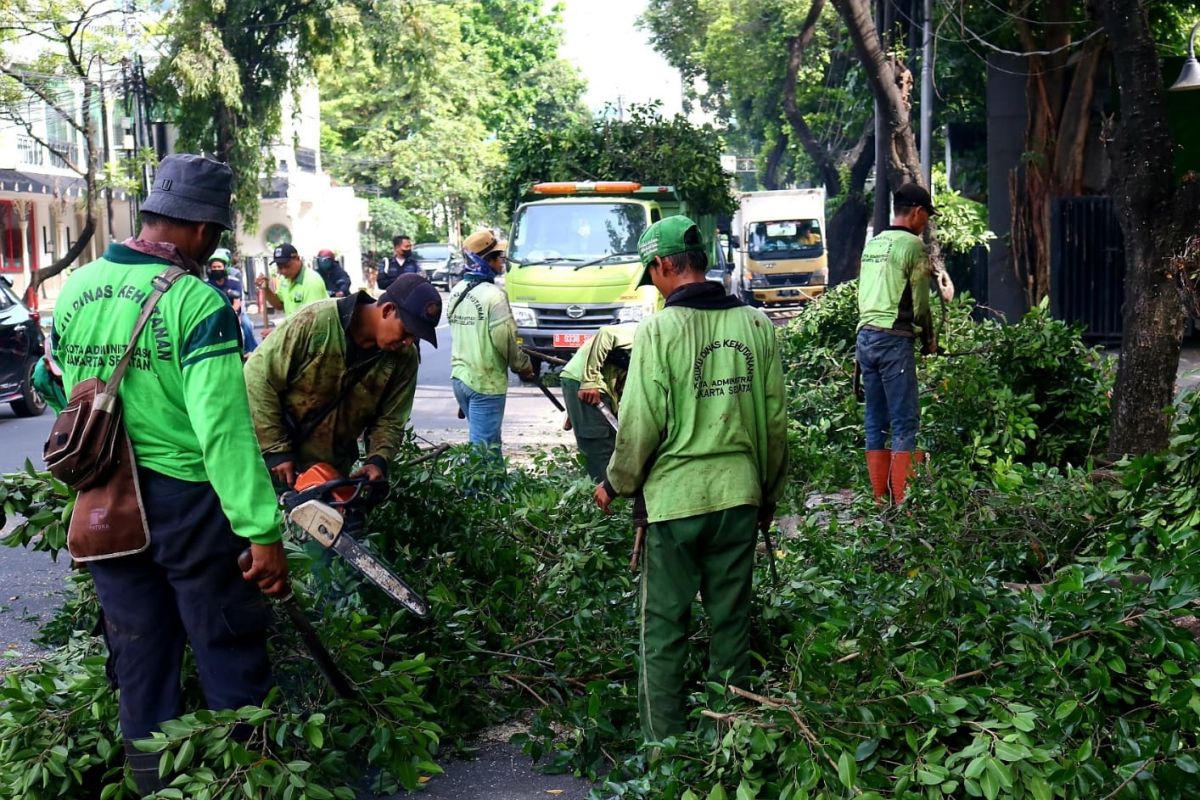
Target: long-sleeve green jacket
x,y
591,367
302,367
703,419
183,398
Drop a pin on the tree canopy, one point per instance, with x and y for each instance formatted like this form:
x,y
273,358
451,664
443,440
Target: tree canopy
x,y
645,147
417,106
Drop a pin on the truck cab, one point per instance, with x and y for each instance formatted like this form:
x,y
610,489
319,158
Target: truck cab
x,y
573,264
780,242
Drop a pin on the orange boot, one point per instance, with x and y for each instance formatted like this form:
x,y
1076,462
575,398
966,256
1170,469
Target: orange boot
x,y
879,463
904,466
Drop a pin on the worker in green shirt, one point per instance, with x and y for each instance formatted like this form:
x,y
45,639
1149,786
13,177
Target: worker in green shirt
x,y
595,375
202,484
298,285
893,312
483,336
339,370
703,435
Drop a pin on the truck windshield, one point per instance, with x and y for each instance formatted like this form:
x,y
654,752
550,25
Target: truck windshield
x,y
573,234
791,238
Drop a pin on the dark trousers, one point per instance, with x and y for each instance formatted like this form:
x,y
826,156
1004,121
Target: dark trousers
x,y
711,553
595,437
185,588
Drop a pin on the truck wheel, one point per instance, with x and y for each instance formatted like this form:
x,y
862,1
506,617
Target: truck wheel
x,y
31,403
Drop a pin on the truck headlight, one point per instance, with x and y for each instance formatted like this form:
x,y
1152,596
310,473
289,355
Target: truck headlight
x,y
629,314
524,317
758,281
819,277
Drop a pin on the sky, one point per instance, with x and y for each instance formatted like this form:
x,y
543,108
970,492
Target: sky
x,y
614,57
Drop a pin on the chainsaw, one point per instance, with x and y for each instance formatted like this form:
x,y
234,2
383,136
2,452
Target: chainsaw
x,y
332,510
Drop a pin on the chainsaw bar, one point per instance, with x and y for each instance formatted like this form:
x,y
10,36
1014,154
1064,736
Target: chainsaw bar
x,y
324,524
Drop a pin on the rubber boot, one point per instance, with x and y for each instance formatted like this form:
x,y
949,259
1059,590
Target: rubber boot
x,y
879,464
144,768
904,466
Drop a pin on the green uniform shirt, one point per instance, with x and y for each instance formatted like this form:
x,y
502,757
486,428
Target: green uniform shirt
x,y
301,368
183,395
483,337
588,365
893,284
307,288
703,426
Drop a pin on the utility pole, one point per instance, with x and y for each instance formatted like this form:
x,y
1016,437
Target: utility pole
x,y
108,198
927,97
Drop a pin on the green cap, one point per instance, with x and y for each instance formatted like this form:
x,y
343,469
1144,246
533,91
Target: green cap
x,y
668,236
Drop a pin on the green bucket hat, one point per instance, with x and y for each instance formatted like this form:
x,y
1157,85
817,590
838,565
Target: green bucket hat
x,y
668,236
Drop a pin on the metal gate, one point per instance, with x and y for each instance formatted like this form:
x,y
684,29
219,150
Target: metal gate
x,y
1087,266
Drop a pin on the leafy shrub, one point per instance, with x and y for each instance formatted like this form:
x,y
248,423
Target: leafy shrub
x,y
1025,393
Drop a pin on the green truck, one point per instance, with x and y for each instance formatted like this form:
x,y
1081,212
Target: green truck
x,y
573,263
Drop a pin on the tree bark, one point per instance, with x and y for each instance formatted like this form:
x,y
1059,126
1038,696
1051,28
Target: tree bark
x,y
1059,95
771,178
846,231
891,83
89,179
1157,215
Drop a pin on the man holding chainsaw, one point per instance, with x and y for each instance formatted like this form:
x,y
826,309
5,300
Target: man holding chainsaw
x,y
484,340
704,435
893,310
596,375
204,491
338,370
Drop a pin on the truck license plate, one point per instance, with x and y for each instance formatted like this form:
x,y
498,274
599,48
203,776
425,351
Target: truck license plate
x,y
571,339
788,293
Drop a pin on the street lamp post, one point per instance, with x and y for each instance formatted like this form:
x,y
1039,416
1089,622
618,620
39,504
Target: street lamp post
x,y
1189,76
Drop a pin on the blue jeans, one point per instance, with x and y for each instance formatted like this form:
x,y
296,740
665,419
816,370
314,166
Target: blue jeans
x,y
889,375
248,340
485,413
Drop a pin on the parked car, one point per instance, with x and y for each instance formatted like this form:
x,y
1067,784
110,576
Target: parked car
x,y
21,345
431,256
450,273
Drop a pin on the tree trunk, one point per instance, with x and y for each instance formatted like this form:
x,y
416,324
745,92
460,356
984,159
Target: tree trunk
x,y
90,197
1059,95
1157,214
846,231
891,83
770,178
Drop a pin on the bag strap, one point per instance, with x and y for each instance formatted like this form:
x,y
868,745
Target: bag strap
x,y
349,381
463,296
161,283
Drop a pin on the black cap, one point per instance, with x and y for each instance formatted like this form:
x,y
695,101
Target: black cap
x,y
419,304
913,195
193,189
284,253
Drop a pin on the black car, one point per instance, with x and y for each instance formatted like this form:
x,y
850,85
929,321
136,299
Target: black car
x,y
21,345
431,256
440,263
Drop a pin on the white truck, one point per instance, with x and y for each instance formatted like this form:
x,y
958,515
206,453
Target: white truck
x,y
778,243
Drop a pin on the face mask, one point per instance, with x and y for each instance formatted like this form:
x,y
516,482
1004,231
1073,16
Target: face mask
x,y
217,274
325,263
